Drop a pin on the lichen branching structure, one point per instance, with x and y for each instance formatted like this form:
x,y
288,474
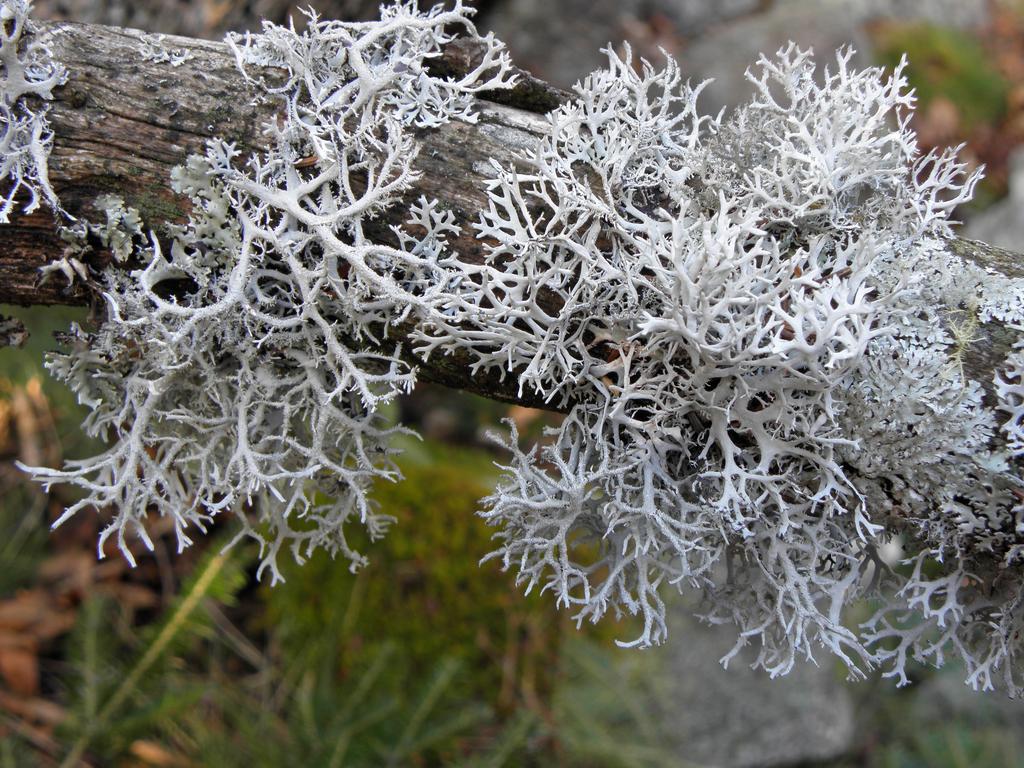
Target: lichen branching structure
x,y
757,324
233,374
26,69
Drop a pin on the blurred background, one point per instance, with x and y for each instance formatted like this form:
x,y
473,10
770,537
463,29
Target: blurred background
x,y
425,658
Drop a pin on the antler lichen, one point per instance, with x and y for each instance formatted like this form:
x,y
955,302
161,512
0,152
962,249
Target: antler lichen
x,y
754,320
230,375
26,69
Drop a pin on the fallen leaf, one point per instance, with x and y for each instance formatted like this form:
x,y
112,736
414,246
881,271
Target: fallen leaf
x,y
19,670
23,610
151,753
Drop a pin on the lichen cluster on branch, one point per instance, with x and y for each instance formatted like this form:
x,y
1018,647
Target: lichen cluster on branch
x,y
26,69
754,318
755,321
233,374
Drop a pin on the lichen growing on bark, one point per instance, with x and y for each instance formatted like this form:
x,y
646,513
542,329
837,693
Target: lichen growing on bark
x,y
26,69
757,323
758,320
232,374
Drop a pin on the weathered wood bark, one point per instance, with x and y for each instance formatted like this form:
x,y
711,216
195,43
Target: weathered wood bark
x,y
123,121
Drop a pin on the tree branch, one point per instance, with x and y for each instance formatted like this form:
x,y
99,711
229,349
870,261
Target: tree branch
x,y
711,457
122,122
124,119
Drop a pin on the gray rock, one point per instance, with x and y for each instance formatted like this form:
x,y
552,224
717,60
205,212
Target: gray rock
x,y
948,13
559,41
739,718
725,52
1003,224
693,17
718,39
943,698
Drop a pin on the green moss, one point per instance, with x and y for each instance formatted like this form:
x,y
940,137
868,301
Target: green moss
x,y
946,63
424,590
157,209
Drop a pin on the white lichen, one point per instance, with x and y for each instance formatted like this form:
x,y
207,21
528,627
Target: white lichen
x,y
755,323
154,48
737,311
120,235
231,376
1010,388
26,70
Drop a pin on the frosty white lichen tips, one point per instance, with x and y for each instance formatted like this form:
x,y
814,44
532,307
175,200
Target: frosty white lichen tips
x,y
233,374
737,300
26,69
756,323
